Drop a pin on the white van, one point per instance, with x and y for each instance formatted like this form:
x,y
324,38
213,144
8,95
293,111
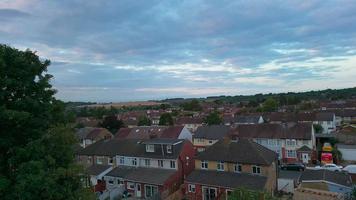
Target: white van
x,y
351,169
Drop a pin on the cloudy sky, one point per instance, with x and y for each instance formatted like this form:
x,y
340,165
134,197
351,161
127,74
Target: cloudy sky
x,y
118,50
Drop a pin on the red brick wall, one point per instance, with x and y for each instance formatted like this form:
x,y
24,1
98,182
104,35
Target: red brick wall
x,y
198,195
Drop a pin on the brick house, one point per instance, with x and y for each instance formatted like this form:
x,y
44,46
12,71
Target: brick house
x,y
293,142
230,164
145,168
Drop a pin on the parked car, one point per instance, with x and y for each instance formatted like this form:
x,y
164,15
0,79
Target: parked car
x,y
350,169
293,166
330,167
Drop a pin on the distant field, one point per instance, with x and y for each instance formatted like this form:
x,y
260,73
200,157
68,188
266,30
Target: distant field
x,y
119,105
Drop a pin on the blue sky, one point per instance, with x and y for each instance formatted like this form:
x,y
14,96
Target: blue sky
x,y
118,50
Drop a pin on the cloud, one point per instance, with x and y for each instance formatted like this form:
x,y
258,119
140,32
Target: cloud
x,y
124,46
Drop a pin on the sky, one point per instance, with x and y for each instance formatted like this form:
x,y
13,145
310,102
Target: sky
x,y
124,50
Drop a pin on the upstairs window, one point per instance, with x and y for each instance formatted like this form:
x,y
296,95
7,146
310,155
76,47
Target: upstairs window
x,y
204,164
220,166
237,168
110,161
160,163
134,162
122,160
99,160
169,148
291,143
150,148
173,164
256,169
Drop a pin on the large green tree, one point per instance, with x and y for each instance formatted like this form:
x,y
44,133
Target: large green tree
x,y
166,119
213,119
36,154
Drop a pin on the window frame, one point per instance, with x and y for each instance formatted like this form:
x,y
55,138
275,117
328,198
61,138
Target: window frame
x,y
150,148
220,166
204,163
256,169
191,188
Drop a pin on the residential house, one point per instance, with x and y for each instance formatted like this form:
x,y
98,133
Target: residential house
x,y
293,142
90,135
145,168
96,174
321,181
191,123
228,165
206,136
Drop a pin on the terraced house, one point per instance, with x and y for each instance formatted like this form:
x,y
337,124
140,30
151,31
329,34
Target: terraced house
x,y
228,165
206,136
293,142
145,168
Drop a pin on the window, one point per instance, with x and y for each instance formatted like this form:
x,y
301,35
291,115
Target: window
x,y
134,161
220,166
291,143
291,154
122,160
99,160
173,164
210,142
150,148
237,168
305,142
89,160
204,164
191,188
147,162
160,163
120,182
200,140
272,142
110,161
259,141
130,186
111,182
150,191
169,148
256,169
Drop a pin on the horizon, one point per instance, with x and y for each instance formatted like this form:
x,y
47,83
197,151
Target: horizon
x,y
121,51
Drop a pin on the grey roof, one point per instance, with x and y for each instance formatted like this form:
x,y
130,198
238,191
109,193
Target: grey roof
x,y
326,175
143,175
130,147
243,151
227,179
304,148
83,132
162,141
97,169
247,119
324,116
214,132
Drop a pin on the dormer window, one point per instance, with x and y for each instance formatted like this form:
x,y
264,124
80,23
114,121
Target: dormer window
x,y
169,148
150,148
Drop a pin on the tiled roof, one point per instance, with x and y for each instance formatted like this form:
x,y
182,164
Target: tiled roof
x,y
172,132
300,117
143,175
326,175
247,119
122,133
227,179
97,169
242,151
214,132
277,131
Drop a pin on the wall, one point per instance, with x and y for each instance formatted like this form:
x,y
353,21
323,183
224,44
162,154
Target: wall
x,y
186,134
348,154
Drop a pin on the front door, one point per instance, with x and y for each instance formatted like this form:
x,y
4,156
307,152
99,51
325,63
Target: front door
x,y
138,190
305,157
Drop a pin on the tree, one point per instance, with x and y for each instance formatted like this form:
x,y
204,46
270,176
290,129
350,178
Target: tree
x,y
270,105
193,105
36,158
318,128
213,119
112,123
144,121
166,119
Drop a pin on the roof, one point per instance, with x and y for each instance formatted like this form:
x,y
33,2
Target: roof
x,y
97,169
326,175
324,116
304,148
143,175
83,132
163,141
189,120
242,151
131,147
301,117
122,133
247,119
146,132
96,132
227,179
214,132
172,132
279,131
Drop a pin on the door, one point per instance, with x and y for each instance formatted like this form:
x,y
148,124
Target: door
x,y
138,190
305,157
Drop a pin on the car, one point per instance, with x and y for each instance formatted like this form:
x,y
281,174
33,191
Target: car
x,y
351,169
330,167
293,166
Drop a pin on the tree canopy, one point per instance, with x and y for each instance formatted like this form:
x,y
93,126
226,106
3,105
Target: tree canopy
x,y
213,119
36,147
112,123
166,119
144,121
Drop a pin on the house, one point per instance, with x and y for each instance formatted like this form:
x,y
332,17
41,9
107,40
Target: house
x,y
90,135
293,142
325,180
96,174
147,132
206,136
145,168
249,119
191,123
228,165
325,119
